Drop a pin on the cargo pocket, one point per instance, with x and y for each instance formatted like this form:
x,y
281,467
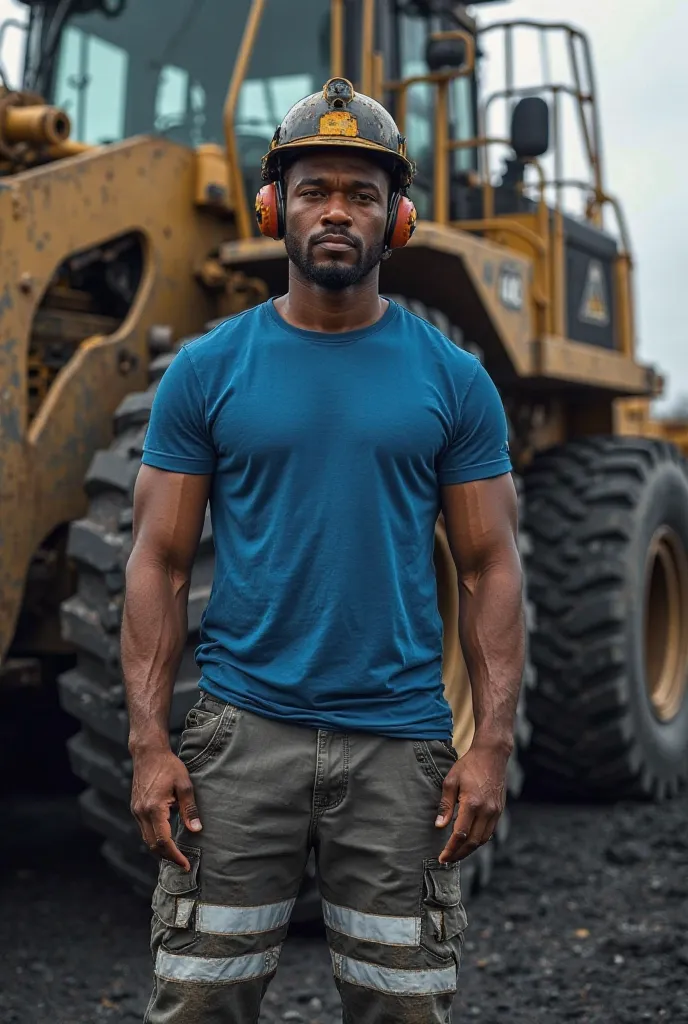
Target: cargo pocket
x,y
444,918
175,898
206,727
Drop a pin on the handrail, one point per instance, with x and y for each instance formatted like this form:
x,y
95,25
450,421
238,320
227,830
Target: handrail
x,y
542,26
367,45
337,39
442,80
238,190
589,126
498,224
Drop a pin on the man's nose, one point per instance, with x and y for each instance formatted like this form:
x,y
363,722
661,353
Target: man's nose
x,y
336,211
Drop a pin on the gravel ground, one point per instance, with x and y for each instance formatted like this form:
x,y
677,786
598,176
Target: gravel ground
x,y
585,921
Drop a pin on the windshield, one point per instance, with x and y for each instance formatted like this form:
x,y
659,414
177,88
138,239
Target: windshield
x,y
163,67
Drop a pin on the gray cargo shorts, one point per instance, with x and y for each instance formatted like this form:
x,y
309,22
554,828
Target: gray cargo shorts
x,y
268,793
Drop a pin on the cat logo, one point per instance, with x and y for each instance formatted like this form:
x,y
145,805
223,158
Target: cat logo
x,y
594,306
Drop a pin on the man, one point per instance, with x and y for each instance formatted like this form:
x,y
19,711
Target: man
x,y
328,428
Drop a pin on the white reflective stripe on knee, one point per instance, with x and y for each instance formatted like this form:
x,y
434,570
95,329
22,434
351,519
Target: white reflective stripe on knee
x,y
218,920
393,980
176,967
391,931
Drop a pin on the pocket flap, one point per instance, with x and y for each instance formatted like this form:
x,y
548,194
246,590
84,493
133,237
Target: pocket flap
x,y
174,879
443,884
173,911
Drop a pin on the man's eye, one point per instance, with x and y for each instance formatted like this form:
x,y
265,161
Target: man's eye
x,y
312,192
363,197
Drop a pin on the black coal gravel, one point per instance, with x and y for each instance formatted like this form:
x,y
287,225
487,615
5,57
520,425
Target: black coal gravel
x,y
586,920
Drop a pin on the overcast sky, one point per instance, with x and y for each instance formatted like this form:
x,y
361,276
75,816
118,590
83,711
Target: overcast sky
x,y
642,81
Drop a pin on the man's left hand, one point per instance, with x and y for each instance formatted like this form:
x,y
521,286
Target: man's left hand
x,y
478,782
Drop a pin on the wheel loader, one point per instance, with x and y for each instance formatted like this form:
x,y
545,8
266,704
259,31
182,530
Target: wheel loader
x,y
130,157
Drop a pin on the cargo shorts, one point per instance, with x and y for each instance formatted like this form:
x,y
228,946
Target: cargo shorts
x,y
269,793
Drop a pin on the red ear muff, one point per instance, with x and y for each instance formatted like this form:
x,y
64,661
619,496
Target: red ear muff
x,y
270,210
401,222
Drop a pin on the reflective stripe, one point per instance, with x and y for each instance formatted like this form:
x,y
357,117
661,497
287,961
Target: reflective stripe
x,y
173,967
219,920
392,931
393,980
182,912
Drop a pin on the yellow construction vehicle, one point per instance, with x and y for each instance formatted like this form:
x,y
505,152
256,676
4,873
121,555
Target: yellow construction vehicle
x,y
129,169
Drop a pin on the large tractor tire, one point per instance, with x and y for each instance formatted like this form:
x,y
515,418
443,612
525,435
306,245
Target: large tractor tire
x,y
93,691
608,574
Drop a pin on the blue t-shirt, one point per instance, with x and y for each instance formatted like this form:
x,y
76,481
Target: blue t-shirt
x,y
327,453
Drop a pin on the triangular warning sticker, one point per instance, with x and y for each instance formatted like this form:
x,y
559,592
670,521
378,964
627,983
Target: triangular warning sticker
x,y
594,305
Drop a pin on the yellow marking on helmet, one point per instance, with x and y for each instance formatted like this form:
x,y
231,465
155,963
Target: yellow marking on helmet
x,y
338,122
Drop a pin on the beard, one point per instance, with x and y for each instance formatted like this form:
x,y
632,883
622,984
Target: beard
x,y
331,273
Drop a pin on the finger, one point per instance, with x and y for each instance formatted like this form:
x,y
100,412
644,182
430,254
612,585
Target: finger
x,y
445,811
481,832
168,850
460,833
147,833
490,829
475,837
164,843
188,811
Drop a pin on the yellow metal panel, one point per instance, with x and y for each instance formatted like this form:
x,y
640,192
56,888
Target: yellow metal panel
x,y
483,261
589,365
145,186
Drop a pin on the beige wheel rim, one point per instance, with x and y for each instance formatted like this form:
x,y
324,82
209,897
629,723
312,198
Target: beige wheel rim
x,y
666,623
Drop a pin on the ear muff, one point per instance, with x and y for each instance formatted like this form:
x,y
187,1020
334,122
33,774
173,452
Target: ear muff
x,y
270,210
401,221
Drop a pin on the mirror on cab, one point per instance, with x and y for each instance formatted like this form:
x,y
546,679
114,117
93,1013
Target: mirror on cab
x,y
530,127
441,54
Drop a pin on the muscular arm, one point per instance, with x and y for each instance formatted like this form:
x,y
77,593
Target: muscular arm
x,y
169,509
481,523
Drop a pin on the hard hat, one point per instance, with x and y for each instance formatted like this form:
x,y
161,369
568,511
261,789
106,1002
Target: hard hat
x,y
339,116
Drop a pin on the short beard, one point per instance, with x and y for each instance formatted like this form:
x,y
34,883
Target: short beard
x,y
333,275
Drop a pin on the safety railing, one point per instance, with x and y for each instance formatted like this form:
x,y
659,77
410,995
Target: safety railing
x,y
442,80
546,239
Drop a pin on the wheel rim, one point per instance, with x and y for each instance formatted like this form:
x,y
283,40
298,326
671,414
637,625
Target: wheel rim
x,y
666,624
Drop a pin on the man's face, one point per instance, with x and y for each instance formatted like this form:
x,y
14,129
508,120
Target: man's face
x,y
336,217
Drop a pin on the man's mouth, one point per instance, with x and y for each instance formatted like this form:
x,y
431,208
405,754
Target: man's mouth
x,y
335,243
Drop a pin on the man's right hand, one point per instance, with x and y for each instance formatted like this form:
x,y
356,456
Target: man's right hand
x,y
161,781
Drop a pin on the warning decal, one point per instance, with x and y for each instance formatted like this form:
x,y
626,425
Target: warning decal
x,y
594,305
